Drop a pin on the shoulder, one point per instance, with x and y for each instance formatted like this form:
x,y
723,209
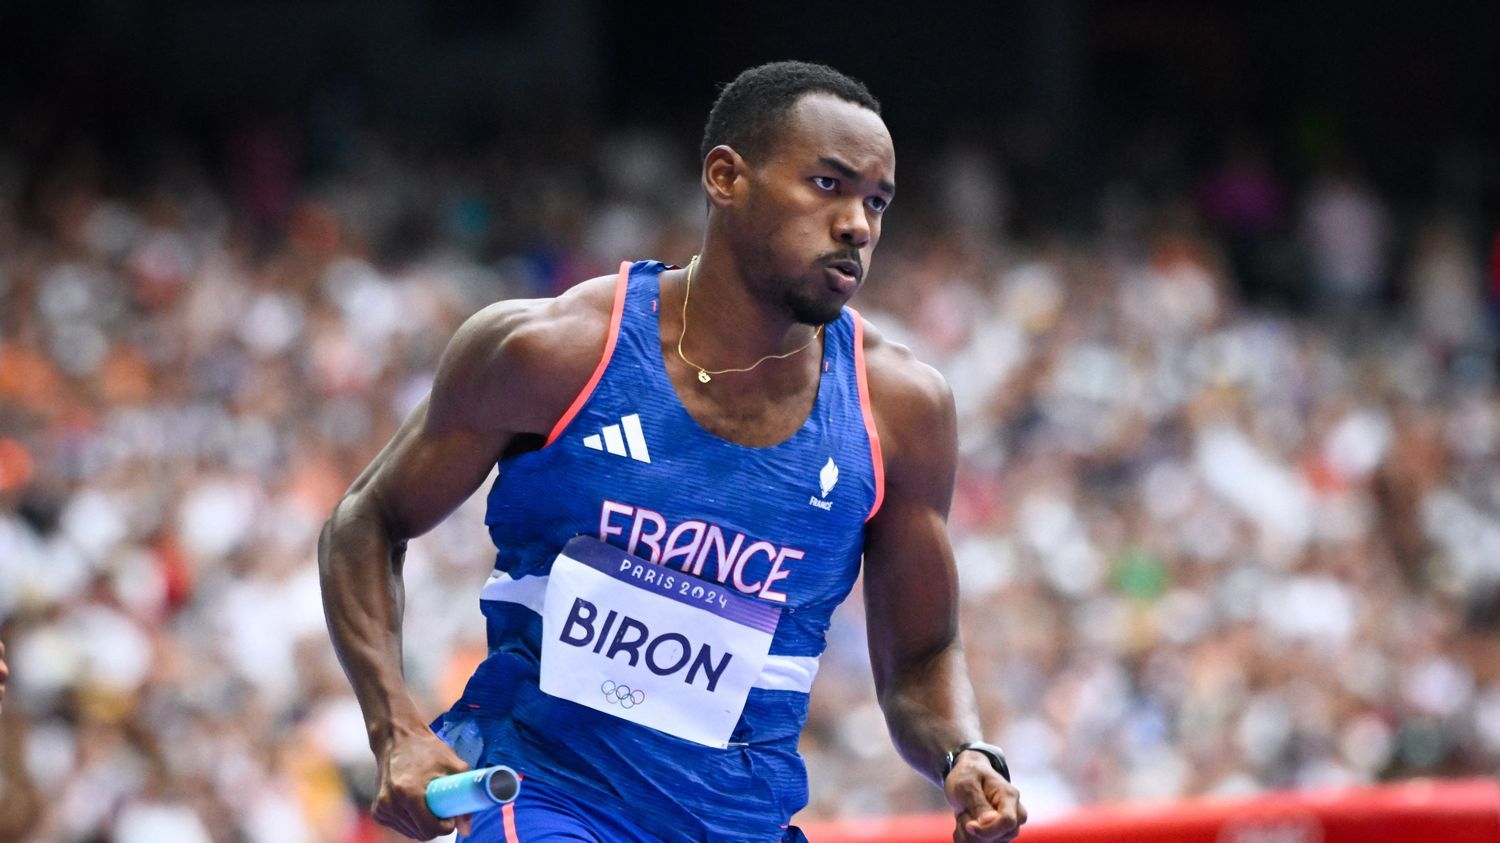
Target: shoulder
x,y
519,363
906,394
913,408
540,336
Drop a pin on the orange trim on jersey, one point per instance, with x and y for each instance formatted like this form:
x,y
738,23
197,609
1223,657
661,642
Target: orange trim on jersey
x,y
617,312
877,460
508,815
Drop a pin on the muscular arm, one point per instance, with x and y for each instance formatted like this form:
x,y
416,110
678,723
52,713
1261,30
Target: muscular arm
x,y
510,370
435,461
911,596
911,588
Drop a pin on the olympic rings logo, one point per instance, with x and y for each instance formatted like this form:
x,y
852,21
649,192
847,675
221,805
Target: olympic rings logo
x,y
622,694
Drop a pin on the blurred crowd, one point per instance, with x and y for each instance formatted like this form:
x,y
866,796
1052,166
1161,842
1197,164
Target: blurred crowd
x,y
1212,539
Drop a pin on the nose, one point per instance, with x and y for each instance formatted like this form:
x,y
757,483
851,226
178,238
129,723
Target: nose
x,y
851,227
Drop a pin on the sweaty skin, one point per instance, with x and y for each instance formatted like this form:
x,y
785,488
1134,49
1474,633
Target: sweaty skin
x,y
789,239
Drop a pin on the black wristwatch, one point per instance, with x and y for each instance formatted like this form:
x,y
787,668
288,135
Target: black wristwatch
x,y
989,750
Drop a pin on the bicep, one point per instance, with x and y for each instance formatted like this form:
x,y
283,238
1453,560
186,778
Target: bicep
x,y
443,451
911,581
425,472
910,589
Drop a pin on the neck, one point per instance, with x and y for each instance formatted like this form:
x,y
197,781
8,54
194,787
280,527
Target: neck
x,y
728,324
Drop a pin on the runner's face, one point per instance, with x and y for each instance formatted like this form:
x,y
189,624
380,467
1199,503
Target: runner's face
x,y
816,205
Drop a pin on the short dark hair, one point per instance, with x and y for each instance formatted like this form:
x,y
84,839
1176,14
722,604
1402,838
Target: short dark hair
x,y
752,107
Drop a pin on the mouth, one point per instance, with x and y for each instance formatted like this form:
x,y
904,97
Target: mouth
x,y
847,272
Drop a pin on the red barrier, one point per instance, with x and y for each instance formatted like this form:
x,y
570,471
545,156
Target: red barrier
x,y
1419,811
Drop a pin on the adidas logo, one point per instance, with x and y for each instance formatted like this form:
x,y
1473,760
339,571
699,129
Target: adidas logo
x,y
623,440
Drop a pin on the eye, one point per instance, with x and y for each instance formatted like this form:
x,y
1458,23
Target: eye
x,y
825,182
877,204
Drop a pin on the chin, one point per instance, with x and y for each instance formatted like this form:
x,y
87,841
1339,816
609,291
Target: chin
x,y
816,312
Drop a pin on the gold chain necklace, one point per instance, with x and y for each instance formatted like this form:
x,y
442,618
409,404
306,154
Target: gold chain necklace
x,y
704,375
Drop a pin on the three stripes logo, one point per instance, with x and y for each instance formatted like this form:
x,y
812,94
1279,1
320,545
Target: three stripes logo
x,y
623,440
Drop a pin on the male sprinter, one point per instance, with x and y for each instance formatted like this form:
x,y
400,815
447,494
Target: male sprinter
x,y
692,463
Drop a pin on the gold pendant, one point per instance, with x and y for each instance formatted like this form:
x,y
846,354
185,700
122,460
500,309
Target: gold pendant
x,y
703,376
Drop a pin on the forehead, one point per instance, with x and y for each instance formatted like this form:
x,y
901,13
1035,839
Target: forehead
x,y
824,126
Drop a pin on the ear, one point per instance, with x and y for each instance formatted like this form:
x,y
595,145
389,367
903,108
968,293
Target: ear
x,y
725,176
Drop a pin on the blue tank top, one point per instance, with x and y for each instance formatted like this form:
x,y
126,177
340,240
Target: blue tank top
x,y
783,524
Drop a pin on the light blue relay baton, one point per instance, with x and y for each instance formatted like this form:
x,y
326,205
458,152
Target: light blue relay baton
x,y
473,791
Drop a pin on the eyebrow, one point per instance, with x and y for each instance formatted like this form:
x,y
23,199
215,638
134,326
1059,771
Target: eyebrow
x,y
849,172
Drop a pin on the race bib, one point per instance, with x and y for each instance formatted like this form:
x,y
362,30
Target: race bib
x,y
650,644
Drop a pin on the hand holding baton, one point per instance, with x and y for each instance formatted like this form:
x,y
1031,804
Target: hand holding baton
x,y
473,791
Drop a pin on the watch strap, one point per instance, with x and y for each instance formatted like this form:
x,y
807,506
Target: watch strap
x,y
989,750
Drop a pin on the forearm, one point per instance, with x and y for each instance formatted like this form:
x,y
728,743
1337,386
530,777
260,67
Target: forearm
x,y
929,708
359,567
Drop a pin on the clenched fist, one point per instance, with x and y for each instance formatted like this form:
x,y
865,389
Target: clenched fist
x,y
986,807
